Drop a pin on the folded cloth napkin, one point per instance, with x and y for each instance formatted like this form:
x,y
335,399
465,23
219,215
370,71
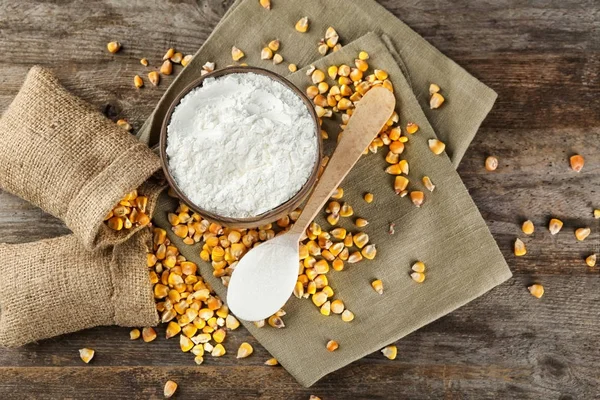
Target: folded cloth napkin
x,y
447,232
250,27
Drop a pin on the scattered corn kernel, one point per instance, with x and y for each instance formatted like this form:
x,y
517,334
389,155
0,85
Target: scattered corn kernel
x,y
582,233
134,334
369,252
113,47
326,308
400,184
436,146
411,128
86,355
292,67
266,54
577,162
419,266
154,78
169,389
377,286
332,345
361,222
148,334
186,60
528,227
536,290
591,260
137,81
245,350
428,184
390,352
555,226
218,351
166,68
347,315
368,197
302,25
265,4
277,59
520,249
417,197
276,322
418,277
272,361
436,101
597,214
338,193
236,54
433,88
491,163
363,55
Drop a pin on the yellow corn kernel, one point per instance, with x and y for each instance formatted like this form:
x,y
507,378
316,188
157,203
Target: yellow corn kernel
x,y
326,308
148,334
180,230
527,227
189,330
319,298
113,47
160,236
154,78
323,88
418,277
403,139
591,260
380,74
597,214
369,252
244,350
363,55
339,233
115,223
377,286
333,207
397,147
275,321
274,45
322,48
337,306
338,193
419,266
536,290
332,345
582,233
218,351
311,288
436,146
186,60
436,101
392,158
272,362
356,75
428,184
321,267
388,85
169,389
337,264
231,322
344,70
302,25
160,291
355,257
299,290
266,54
137,81
219,335
166,68
361,239
277,59
292,68
394,169
328,291
520,249
577,161
317,76
347,315
346,210
332,71
173,329
134,334
417,197
177,58
236,54
390,352
86,355
433,88
361,222
555,226
348,240
491,163
266,4
312,92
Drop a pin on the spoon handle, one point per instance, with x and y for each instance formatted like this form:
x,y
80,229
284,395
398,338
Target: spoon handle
x,y
372,112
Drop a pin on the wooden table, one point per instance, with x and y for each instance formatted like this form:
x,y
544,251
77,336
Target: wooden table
x,y
543,59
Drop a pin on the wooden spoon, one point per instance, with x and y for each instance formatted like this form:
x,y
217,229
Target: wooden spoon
x,y
265,277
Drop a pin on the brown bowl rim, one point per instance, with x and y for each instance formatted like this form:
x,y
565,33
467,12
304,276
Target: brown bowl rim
x,y
268,216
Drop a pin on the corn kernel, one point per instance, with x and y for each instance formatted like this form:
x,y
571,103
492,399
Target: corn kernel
x,y
377,286
292,68
428,184
276,322
577,161
419,266
411,128
219,335
436,146
418,277
390,352
355,257
346,210
433,88
86,355
326,308
236,54
555,226
417,197
582,233
302,25
113,47
591,260
527,227
361,222
266,54
337,264
134,334
148,334
319,298
491,163
218,351
338,193
271,362
244,350
536,290
369,252
436,101
332,345
520,249
154,78
360,239
266,4
169,389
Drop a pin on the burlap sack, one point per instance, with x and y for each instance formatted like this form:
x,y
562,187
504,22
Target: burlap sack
x,y
56,286
63,156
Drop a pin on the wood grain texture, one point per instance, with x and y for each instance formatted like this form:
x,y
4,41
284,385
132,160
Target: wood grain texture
x,y
543,59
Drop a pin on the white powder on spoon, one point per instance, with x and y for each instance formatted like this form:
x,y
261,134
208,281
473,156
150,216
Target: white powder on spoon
x,y
241,144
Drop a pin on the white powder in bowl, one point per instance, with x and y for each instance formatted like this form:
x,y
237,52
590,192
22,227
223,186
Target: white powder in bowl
x,y
241,144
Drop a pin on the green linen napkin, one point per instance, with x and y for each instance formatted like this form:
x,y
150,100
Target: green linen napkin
x,y
447,233
250,27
